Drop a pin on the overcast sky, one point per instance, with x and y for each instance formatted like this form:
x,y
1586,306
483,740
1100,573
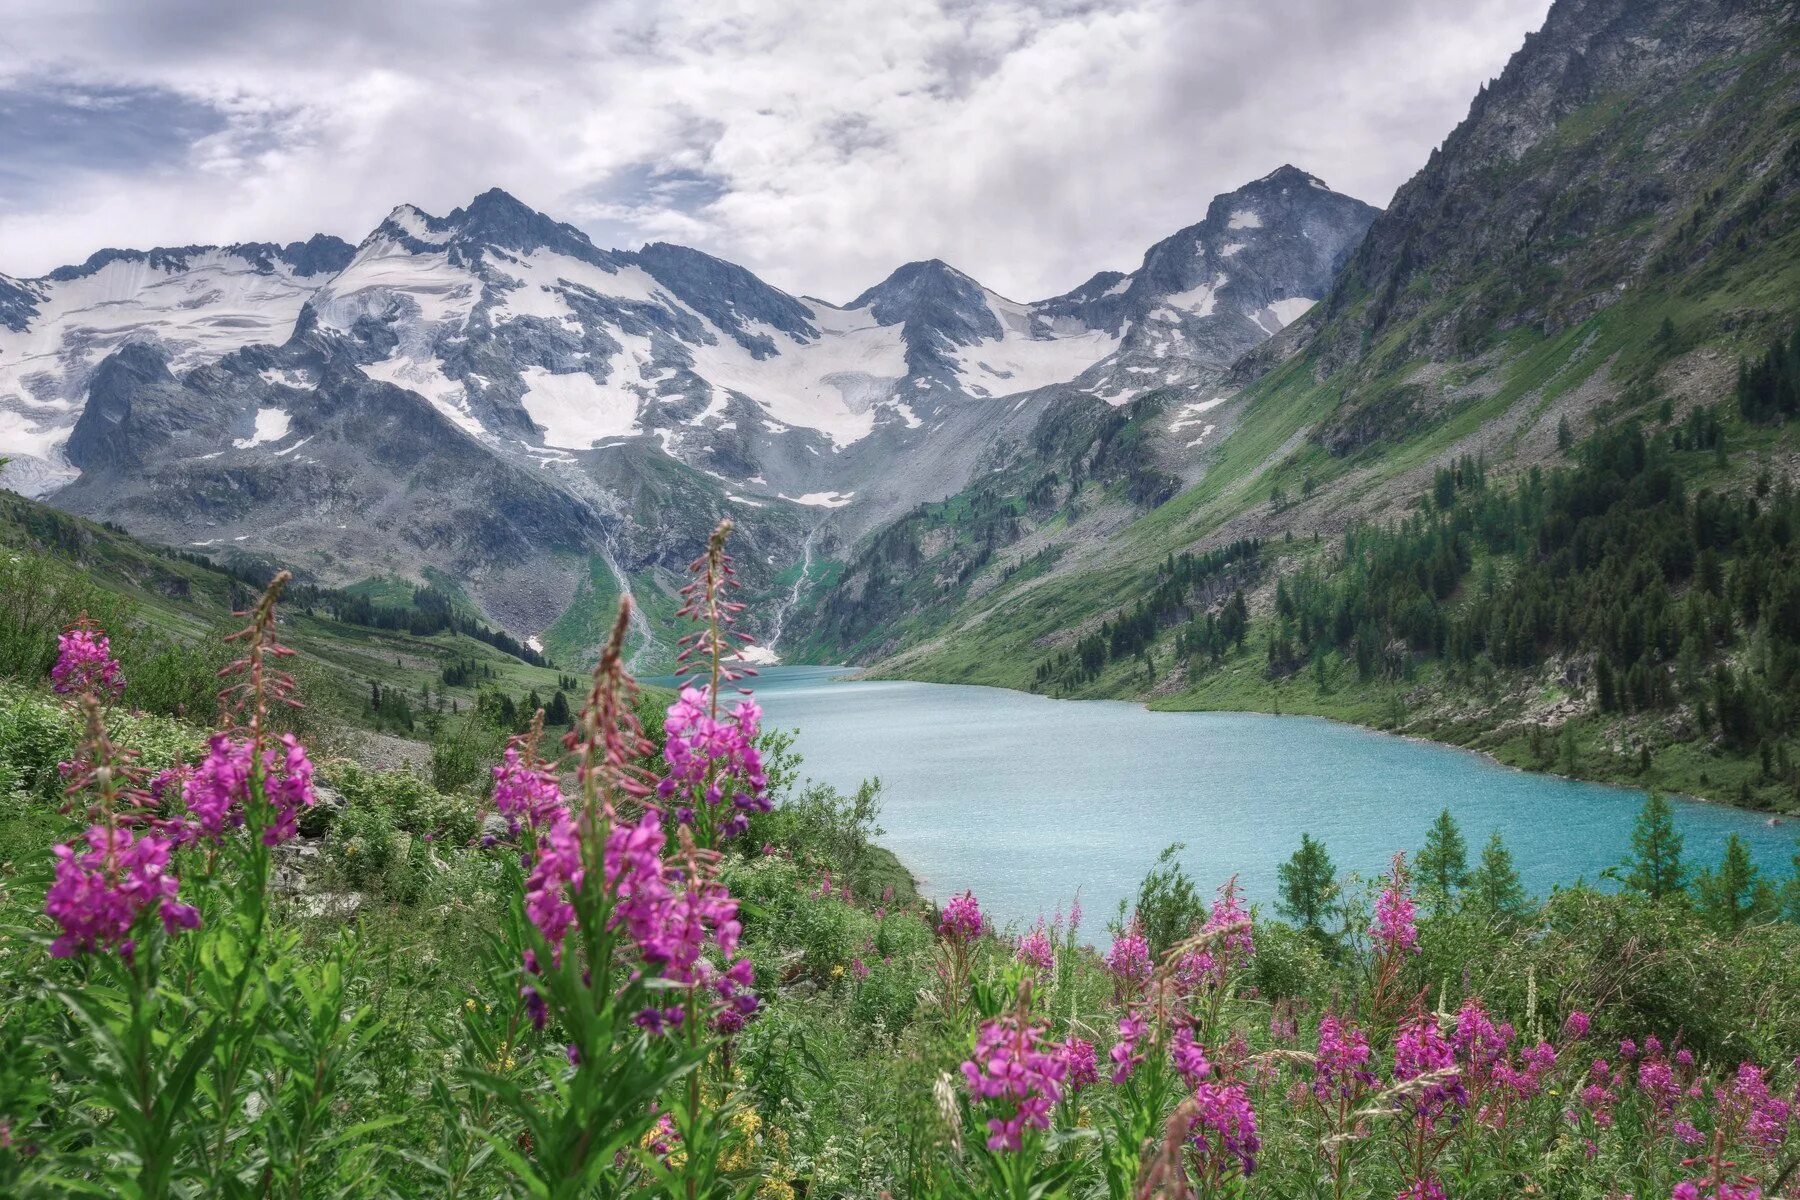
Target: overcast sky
x,y
820,144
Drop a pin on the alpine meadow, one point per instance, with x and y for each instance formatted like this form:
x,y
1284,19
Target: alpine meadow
x,y
1312,716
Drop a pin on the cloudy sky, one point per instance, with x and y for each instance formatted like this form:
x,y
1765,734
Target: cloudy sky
x,y
820,144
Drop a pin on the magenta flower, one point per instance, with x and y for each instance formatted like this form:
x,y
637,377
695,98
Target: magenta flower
x,y
1394,930
1129,960
1011,1067
1575,1026
961,919
1124,1054
1427,1188
1224,1129
526,791
555,872
716,754
219,788
1081,1067
1035,949
1189,1057
1420,1050
1231,921
99,893
1746,1103
1479,1044
85,665
1341,1066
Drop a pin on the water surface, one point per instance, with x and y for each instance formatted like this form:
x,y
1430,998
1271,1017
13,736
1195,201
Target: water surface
x,y
1027,800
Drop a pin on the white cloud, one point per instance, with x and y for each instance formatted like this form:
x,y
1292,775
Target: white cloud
x,y
1031,143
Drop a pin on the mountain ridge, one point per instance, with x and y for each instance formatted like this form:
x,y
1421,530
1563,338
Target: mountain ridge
x,y
228,418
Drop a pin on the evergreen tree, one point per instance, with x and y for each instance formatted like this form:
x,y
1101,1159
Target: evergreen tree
x,y
1168,904
1735,894
1443,865
1308,886
1656,869
1494,887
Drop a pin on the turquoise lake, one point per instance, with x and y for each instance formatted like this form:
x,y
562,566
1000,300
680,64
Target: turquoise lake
x,y
1028,800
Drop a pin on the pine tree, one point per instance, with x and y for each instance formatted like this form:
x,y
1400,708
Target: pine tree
x,y
1308,885
1656,871
1494,888
1443,865
1736,894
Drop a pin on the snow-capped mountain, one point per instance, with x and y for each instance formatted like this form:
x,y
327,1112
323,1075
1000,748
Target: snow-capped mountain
x,y
196,303
1261,258
491,394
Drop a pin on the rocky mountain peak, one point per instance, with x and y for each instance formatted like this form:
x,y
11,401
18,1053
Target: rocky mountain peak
x,y
932,294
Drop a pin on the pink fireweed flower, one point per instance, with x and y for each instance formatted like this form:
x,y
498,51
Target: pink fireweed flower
x,y
1011,1067
289,790
1189,1057
716,753
1231,921
1656,1080
1746,1103
1427,1188
1081,1067
1575,1026
1420,1050
99,893
555,872
1394,930
1195,970
1341,1066
1035,949
526,791
219,789
1125,1054
85,665
1479,1044
1224,1130
961,919
1129,961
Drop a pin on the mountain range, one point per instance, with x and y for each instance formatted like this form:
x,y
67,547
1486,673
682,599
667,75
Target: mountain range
x,y
490,400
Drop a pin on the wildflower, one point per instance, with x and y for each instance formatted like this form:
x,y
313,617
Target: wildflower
x,y
1189,1057
1342,1063
1080,1066
99,893
289,790
1195,969
1479,1043
85,665
526,790
1745,1103
1225,1128
859,969
1129,960
1575,1026
1394,930
1010,1065
1421,1051
1035,950
1427,1188
1124,1054
961,918
1656,1080
1231,922
218,791
715,754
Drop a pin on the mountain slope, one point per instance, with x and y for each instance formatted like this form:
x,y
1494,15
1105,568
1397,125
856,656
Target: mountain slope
x,y
1613,226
